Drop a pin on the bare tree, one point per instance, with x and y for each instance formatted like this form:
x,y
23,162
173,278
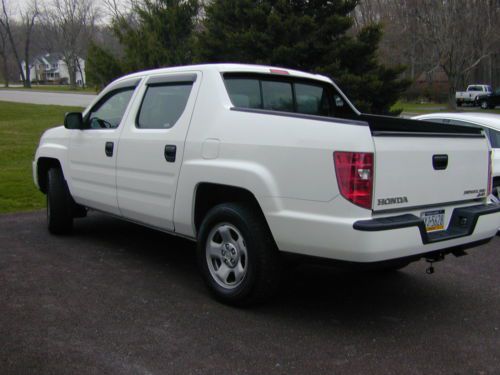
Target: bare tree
x,y
28,18
462,34
72,23
3,55
118,8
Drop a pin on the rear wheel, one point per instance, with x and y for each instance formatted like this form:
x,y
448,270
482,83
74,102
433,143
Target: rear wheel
x,y
237,255
59,203
459,104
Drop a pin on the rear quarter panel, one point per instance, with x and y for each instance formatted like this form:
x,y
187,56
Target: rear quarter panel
x,y
282,160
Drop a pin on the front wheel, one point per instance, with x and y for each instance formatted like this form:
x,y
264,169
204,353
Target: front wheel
x,y
484,104
59,203
237,255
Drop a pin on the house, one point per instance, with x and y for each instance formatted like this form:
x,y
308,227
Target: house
x,y
51,68
433,84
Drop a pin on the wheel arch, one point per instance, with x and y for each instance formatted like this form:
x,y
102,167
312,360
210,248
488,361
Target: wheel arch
x,y
208,195
43,166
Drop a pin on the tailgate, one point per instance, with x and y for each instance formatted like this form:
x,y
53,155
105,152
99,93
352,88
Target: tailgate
x,y
425,168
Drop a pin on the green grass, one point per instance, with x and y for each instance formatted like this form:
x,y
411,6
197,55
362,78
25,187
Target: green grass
x,y
55,88
430,107
21,126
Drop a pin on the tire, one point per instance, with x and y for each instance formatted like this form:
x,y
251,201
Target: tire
x,y
459,104
484,104
59,203
237,256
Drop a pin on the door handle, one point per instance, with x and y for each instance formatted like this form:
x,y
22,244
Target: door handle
x,y
170,151
108,149
440,162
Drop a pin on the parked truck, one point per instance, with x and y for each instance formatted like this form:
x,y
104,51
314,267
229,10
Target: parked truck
x,y
260,165
472,94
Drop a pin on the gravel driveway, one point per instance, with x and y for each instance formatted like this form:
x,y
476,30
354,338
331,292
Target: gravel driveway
x,y
115,298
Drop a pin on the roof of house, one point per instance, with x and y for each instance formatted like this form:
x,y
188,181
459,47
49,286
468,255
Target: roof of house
x,y
437,76
49,58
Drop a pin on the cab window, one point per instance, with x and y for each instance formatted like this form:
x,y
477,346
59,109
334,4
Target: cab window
x,y
108,113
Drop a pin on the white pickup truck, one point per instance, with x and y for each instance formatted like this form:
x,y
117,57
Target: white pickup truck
x,y
259,165
472,94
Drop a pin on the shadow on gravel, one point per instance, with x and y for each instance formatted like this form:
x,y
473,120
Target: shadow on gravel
x,y
307,291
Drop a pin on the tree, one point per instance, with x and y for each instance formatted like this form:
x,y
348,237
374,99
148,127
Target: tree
x,y
158,33
152,34
307,35
72,23
4,56
102,66
28,18
462,33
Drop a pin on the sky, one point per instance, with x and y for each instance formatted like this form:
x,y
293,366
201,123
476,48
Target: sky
x,y
22,4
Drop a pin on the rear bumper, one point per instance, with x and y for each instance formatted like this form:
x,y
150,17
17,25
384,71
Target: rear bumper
x,y
463,222
381,239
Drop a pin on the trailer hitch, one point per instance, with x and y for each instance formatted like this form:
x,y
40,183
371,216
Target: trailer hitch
x,y
431,260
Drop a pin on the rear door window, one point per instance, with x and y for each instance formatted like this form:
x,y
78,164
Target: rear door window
x,y
163,105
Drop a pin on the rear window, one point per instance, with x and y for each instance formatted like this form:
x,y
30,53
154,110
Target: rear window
x,y
285,94
277,96
495,138
475,88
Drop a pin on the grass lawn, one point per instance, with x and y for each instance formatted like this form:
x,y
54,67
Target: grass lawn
x,y
55,88
21,126
421,108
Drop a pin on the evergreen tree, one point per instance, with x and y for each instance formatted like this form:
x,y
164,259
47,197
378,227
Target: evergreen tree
x,y
156,34
311,35
102,66
160,35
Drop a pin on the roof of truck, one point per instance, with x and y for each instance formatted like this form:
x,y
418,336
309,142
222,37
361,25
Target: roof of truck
x,y
230,67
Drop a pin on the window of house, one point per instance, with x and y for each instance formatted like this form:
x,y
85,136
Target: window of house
x,y
163,105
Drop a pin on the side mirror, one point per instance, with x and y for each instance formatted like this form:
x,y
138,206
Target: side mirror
x,y
73,120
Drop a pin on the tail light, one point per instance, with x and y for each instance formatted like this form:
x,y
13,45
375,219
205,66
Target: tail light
x,y
354,172
490,173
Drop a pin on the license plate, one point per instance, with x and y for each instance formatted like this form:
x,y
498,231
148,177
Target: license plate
x,y
434,220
